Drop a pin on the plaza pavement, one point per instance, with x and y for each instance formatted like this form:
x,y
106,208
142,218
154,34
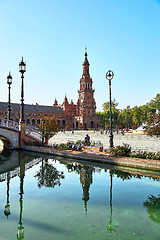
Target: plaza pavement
x,y
136,141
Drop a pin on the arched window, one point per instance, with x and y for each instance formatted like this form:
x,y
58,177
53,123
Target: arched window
x,y
63,122
33,122
28,122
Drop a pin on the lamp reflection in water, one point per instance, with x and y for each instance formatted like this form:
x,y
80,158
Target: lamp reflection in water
x,y
20,231
110,227
7,211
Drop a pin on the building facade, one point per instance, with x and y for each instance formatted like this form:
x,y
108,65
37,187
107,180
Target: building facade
x,y
81,115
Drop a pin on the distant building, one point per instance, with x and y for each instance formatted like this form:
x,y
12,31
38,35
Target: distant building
x,y
80,115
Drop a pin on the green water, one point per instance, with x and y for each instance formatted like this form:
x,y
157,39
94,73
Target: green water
x,y
52,198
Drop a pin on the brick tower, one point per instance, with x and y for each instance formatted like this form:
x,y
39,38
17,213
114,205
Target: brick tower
x,y
86,105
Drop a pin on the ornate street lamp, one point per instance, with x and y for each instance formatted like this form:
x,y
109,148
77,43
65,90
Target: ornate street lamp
x,y
109,76
22,70
9,82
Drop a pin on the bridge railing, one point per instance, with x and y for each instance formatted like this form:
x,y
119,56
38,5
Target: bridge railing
x,y
29,130
15,172
32,131
8,123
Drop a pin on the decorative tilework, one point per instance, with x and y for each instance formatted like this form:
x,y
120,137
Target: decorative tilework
x,y
12,136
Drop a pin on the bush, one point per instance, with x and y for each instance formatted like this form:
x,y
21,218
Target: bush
x,y
121,151
146,155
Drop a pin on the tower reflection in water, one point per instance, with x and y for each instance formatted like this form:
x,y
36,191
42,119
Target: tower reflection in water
x,y
20,230
86,180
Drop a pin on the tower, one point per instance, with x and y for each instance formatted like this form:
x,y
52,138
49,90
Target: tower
x,y
86,106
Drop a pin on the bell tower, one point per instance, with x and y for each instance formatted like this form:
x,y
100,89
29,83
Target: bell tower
x,y
86,106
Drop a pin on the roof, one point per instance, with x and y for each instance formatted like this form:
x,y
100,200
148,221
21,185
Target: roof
x,y
32,108
85,60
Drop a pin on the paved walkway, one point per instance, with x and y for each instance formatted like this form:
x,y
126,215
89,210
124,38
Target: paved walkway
x,y
99,158
137,142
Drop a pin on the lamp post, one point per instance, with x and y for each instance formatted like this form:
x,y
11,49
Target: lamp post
x,y
42,125
109,76
22,70
9,82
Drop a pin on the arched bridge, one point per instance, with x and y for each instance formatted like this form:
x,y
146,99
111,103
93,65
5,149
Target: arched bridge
x,y
10,134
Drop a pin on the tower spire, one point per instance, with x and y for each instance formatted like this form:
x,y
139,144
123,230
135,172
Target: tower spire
x,y
86,63
85,49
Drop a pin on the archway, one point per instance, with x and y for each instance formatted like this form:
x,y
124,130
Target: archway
x,y
63,122
10,137
33,122
6,143
77,125
27,122
92,124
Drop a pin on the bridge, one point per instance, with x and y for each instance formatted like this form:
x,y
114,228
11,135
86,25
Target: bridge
x,y
14,134
14,161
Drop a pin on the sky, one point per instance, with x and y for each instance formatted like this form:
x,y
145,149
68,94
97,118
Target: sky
x,y
120,35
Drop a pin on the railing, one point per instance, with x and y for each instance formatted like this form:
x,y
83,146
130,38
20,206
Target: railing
x,y
32,131
15,172
96,143
93,143
8,123
29,130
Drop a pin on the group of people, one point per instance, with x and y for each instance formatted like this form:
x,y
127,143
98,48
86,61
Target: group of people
x,y
107,131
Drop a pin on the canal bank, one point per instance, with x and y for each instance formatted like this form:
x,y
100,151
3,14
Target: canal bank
x,y
102,157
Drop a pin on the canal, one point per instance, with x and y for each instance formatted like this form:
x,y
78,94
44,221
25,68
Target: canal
x,y
44,198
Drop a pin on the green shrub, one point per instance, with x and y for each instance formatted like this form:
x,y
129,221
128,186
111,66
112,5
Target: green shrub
x,y
146,155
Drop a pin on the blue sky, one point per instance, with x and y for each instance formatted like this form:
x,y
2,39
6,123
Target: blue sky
x,y
121,35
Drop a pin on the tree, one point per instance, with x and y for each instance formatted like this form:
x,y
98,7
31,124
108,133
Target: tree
x,y
152,127
105,116
106,105
129,117
49,126
136,116
48,175
126,117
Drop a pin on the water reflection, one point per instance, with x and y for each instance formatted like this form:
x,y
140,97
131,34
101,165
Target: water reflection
x,y
152,205
7,211
20,230
48,175
85,171
5,155
86,180
110,227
